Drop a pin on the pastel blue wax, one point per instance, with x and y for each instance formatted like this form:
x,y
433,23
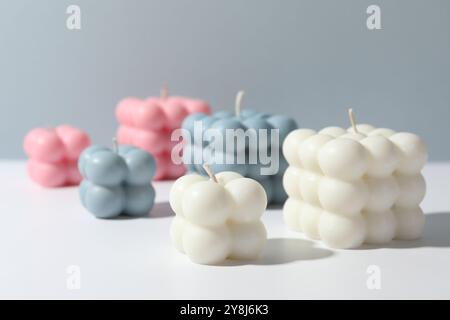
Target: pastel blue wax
x,y
273,184
141,165
279,195
188,157
116,183
139,199
188,125
221,126
257,124
283,165
284,124
209,121
189,121
217,161
261,115
223,114
247,119
247,113
101,201
254,171
102,166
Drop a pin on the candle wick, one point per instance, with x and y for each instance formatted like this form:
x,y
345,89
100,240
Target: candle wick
x,y
351,116
115,145
237,105
164,93
210,172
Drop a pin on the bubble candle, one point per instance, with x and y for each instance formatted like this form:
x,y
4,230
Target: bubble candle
x,y
117,181
53,155
218,217
148,124
354,186
246,120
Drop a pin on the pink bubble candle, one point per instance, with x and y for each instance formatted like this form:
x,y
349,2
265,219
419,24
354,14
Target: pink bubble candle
x,y
148,124
53,155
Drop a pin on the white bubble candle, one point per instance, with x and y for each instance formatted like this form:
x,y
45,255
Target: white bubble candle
x,y
354,186
218,218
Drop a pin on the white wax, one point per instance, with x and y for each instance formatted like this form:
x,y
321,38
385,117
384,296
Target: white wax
x,y
308,150
414,153
178,189
343,159
383,193
291,183
362,128
343,232
383,156
218,220
354,136
381,226
333,131
309,220
343,197
309,186
410,223
292,214
348,187
207,245
206,203
412,190
250,200
382,132
291,143
247,240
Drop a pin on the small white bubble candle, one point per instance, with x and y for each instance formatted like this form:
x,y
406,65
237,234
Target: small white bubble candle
x,y
218,218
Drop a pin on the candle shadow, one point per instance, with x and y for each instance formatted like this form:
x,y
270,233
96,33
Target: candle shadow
x,y
159,210
285,250
275,206
436,234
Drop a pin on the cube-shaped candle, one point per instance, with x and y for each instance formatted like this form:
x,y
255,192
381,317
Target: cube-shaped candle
x,y
53,155
218,218
244,120
117,181
148,124
355,186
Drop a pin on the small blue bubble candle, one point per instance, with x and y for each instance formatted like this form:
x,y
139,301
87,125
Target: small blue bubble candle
x,y
117,181
241,119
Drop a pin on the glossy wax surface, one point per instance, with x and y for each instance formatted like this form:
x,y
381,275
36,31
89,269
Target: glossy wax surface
x,y
53,155
219,220
117,183
349,188
247,119
148,124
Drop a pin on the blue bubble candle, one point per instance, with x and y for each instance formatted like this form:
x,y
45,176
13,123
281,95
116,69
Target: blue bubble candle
x,y
240,120
117,181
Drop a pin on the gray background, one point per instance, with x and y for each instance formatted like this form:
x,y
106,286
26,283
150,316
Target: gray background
x,y
310,59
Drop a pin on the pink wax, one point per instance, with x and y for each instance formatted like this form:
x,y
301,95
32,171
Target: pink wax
x,y
53,155
148,124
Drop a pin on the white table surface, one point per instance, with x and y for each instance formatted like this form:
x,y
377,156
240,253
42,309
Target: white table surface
x,y
44,231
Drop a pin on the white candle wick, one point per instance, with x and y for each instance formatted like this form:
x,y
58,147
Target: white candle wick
x,y
352,119
210,173
237,105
